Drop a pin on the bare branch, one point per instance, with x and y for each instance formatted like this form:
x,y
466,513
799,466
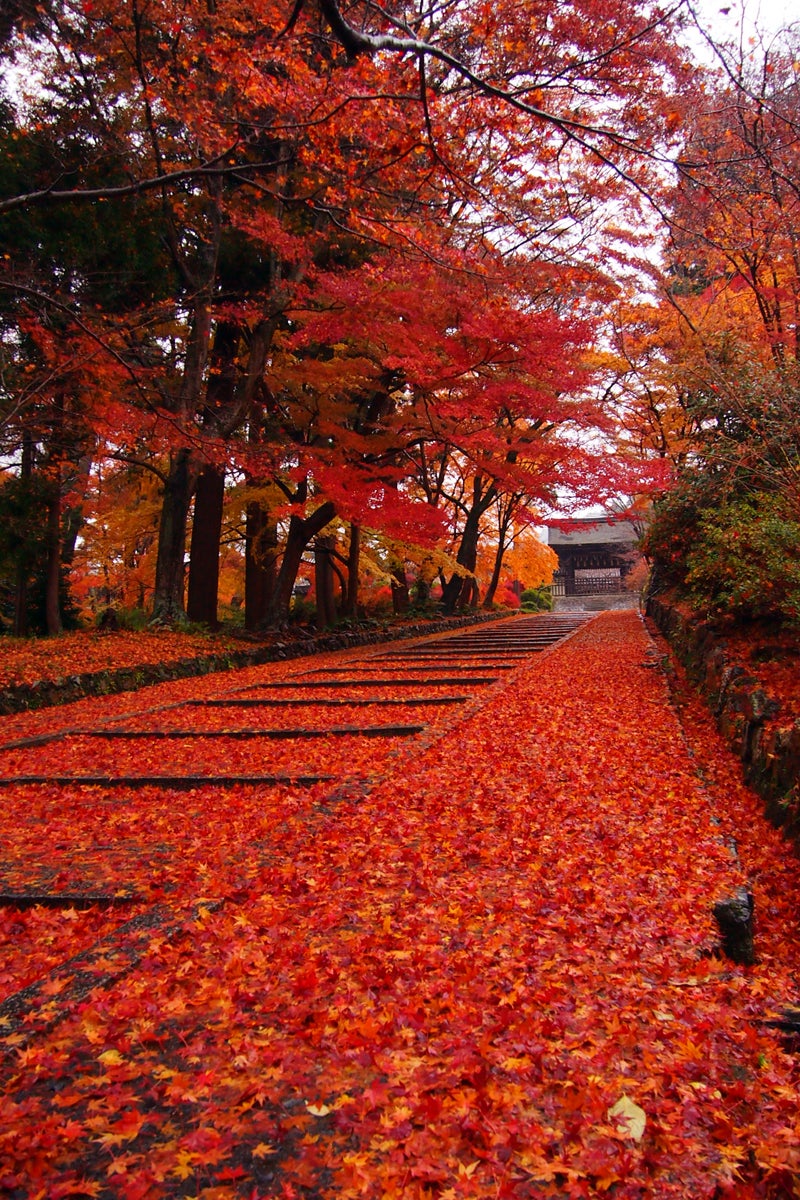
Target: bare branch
x,y
213,169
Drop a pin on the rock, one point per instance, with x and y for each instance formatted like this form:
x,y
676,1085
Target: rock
x,y
734,917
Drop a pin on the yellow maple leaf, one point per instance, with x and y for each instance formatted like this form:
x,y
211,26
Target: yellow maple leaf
x,y
184,1166
263,1149
111,1058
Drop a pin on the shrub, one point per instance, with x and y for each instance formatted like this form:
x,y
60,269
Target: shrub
x,y
674,530
133,619
377,603
744,560
538,599
303,612
508,598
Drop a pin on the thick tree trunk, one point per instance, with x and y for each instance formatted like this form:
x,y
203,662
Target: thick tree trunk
x,y
52,588
260,568
457,587
323,578
401,600
470,593
350,605
23,568
459,590
21,602
201,599
179,484
301,532
52,598
491,591
168,600
72,520
229,399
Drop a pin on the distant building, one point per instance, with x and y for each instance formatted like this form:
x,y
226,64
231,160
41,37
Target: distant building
x,y
594,554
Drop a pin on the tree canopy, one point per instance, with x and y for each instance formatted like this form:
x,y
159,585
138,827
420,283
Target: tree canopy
x,y
277,274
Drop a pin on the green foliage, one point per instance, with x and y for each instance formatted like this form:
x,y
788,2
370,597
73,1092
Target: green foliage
x,y
132,619
231,617
538,599
115,251
673,530
23,553
726,536
732,556
22,543
744,562
303,612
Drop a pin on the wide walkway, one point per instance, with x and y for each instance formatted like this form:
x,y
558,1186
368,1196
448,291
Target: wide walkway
x,y
461,945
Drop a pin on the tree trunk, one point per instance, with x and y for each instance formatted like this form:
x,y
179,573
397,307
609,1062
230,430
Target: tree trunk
x,y
456,588
201,600
459,591
23,568
52,597
400,597
323,578
301,531
504,524
488,599
179,484
260,568
72,520
21,602
350,605
228,401
168,600
52,588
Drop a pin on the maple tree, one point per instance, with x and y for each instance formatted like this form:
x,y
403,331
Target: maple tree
x,y
471,390
251,156
735,220
714,389
518,550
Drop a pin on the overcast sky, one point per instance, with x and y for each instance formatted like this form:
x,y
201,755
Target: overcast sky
x,y
724,17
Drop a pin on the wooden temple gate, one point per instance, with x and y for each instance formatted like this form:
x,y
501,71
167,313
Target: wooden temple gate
x,y
594,555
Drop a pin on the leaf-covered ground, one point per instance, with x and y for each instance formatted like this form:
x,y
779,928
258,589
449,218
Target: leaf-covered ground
x,y
28,660
470,965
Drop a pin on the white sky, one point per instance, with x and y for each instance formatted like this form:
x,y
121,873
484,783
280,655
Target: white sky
x,y
724,18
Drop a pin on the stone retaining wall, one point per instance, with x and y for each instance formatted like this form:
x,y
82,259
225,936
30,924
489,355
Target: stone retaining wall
x,y
601,602
747,718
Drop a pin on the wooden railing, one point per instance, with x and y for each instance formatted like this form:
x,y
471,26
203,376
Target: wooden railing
x,y
586,585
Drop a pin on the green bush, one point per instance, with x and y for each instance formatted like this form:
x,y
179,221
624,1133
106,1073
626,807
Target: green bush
x,y
674,530
744,560
303,612
538,599
130,619
23,552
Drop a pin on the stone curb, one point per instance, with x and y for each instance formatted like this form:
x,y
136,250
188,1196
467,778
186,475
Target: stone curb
x,y
770,755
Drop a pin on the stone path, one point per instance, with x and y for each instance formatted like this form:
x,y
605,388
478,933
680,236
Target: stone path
x,y
428,956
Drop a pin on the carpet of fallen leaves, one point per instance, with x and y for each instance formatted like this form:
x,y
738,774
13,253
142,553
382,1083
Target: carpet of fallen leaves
x,y
773,658
768,653
29,660
480,962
